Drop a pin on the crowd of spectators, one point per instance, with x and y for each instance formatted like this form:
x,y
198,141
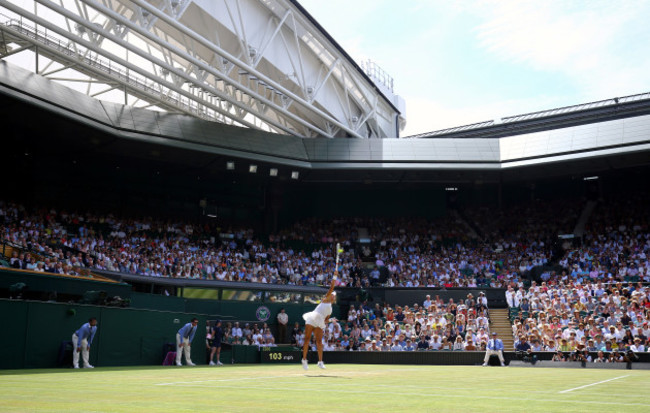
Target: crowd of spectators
x,y
410,252
572,319
154,248
616,244
415,253
433,325
597,303
423,253
533,225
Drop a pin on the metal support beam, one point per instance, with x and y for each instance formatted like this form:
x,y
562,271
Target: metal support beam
x,y
239,63
256,63
103,70
191,59
127,46
16,51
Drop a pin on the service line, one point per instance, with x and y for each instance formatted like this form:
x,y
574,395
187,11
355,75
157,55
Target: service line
x,y
592,384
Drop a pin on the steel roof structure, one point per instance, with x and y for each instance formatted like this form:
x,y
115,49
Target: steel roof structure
x,y
261,64
574,114
275,94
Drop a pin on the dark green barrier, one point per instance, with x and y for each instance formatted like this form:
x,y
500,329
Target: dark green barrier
x,y
245,354
202,306
157,302
33,330
32,333
252,311
62,285
14,323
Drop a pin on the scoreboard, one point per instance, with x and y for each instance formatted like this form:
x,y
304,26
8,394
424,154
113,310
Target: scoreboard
x,y
280,355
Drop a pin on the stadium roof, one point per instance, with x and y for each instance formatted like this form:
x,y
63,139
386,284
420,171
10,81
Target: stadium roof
x,y
597,137
268,66
546,119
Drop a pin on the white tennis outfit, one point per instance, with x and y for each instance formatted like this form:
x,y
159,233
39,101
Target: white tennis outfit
x,y
317,317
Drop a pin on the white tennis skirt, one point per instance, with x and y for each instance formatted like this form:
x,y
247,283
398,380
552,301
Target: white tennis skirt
x,y
314,319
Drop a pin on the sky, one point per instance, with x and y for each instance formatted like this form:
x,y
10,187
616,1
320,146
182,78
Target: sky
x,y
462,62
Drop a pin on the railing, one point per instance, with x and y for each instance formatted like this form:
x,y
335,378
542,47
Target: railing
x,y
123,75
540,114
576,108
79,274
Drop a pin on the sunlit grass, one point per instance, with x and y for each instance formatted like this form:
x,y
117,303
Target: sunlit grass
x,y
342,387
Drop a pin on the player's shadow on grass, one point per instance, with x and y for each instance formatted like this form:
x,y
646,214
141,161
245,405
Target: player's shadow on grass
x,y
327,375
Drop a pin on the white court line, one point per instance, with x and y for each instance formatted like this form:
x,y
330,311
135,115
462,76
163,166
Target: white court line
x,y
401,386
592,384
439,395
334,384
216,380
277,377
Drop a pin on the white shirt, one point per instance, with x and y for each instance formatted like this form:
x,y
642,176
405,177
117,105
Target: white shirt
x,y
283,318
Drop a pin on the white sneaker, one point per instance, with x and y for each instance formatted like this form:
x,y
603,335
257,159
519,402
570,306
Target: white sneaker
x,y
76,367
219,363
484,364
321,365
212,363
502,365
305,365
179,364
191,364
89,367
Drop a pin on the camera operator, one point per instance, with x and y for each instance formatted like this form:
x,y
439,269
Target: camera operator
x,y
524,351
616,357
559,356
582,355
630,357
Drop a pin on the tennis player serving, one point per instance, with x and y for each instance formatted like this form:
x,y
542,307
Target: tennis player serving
x,y
315,323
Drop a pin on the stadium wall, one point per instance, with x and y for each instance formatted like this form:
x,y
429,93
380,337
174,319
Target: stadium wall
x,y
34,331
243,311
39,286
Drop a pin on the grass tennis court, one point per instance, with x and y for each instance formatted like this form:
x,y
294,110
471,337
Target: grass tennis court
x,y
342,387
